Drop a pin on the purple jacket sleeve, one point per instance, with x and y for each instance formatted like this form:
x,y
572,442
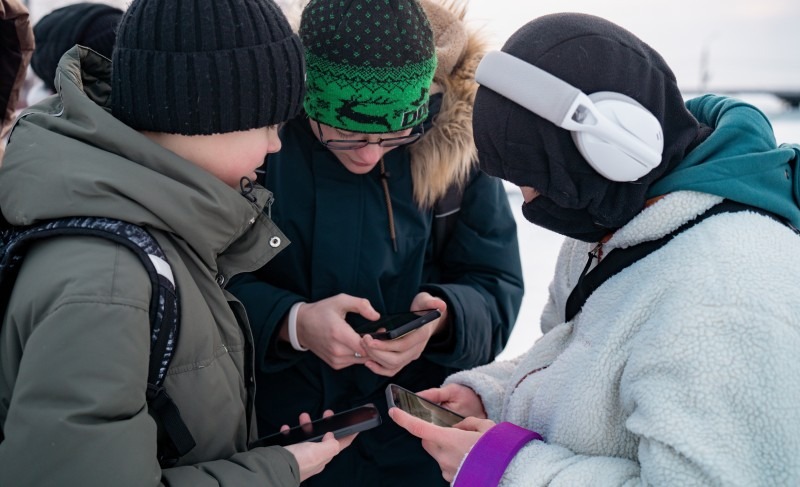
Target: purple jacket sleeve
x,y
489,457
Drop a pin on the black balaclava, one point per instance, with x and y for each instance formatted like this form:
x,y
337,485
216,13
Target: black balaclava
x,y
513,143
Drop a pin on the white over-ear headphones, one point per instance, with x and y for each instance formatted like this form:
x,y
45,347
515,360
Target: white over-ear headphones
x,y
619,138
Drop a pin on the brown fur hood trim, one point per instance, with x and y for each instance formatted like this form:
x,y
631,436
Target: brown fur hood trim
x,y
15,55
446,154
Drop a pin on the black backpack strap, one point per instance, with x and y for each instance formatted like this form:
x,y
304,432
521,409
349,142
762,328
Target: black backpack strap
x,y
164,312
619,259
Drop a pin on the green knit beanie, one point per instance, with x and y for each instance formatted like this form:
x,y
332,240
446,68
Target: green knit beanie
x,y
369,63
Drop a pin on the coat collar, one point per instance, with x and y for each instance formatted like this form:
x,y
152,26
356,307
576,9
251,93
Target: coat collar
x,y
661,218
105,168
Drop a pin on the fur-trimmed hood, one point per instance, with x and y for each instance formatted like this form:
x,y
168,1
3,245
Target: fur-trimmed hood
x,y
446,154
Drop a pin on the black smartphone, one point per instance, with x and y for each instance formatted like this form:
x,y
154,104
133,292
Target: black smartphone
x,y
341,424
420,407
395,325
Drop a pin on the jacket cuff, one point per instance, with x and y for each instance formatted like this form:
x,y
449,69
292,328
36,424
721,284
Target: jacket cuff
x,y
489,457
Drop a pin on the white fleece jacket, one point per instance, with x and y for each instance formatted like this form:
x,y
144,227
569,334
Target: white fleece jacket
x,y
683,369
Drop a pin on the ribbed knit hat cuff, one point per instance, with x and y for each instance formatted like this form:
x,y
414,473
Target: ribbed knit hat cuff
x,y
366,99
203,93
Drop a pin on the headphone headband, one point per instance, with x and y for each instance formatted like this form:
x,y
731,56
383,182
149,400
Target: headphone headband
x,y
561,104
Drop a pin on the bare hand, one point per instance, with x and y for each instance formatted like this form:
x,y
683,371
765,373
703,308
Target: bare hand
x,y
388,357
313,456
447,446
322,329
458,398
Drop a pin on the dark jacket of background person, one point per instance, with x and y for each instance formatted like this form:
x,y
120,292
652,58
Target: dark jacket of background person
x,y
87,377
16,48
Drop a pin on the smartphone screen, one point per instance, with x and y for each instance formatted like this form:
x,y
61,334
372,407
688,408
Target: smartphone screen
x,y
394,325
341,424
419,407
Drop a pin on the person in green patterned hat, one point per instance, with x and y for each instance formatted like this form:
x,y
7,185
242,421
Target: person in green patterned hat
x,y
363,186
367,85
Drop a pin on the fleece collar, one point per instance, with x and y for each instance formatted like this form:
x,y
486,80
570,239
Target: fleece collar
x,y
661,218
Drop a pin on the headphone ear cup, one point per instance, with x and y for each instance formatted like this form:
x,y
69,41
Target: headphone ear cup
x,y
609,159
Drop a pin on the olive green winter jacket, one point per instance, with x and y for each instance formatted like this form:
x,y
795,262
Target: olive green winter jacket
x,y
74,342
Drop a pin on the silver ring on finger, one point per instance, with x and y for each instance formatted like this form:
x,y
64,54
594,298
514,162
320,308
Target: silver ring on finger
x,y
357,355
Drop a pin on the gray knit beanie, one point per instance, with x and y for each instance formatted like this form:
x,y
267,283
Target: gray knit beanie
x,y
200,67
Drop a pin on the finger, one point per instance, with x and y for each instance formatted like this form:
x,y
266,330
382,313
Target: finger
x,y
331,446
387,359
371,344
435,303
394,360
354,358
425,300
361,306
397,353
417,427
469,424
305,422
352,345
327,413
379,369
435,394
284,428
447,476
344,442
365,309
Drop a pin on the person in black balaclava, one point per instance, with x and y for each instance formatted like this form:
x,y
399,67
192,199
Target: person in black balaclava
x,y
593,56
682,367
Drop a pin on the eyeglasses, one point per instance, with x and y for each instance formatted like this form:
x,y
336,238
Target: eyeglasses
x,y
344,144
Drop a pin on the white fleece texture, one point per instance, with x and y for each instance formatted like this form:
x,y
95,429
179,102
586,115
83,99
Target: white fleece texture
x,y
683,369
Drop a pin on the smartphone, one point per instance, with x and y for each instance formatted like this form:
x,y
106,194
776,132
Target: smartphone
x,y
419,407
395,325
341,424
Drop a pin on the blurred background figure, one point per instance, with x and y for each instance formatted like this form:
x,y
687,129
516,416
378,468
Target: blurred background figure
x,y
39,8
93,25
16,47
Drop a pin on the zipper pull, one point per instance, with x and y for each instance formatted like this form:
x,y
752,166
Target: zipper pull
x,y
269,206
593,254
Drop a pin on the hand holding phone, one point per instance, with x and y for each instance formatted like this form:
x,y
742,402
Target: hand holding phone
x,y
419,407
341,424
394,325
320,327
447,445
456,397
313,456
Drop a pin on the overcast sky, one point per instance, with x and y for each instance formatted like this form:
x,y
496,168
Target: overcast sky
x,y
750,43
